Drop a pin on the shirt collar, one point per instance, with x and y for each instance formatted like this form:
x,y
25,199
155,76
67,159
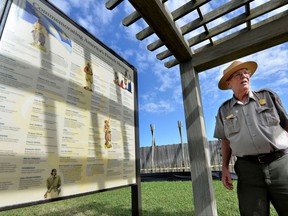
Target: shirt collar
x,y
234,101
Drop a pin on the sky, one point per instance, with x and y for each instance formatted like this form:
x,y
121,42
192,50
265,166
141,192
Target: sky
x,y
159,88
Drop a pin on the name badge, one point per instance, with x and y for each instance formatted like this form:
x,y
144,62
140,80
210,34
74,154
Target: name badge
x,y
231,116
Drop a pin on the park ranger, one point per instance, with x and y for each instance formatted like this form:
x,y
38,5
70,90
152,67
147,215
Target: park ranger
x,y
253,126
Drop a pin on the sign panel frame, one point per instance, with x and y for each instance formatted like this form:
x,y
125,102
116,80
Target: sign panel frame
x,y
69,103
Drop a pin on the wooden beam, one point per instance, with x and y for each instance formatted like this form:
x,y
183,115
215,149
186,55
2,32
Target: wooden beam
x,y
133,17
202,21
203,193
157,17
111,4
176,14
263,37
147,31
164,54
263,24
242,31
187,8
155,45
247,10
236,21
171,63
144,33
213,15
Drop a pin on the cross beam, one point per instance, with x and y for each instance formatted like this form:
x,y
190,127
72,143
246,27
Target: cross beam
x,y
161,21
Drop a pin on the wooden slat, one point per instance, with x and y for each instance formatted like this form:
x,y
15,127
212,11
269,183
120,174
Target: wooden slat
x,y
155,45
176,14
174,158
144,33
207,46
247,10
164,54
236,21
254,13
213,15
187,8
205,26
111,4
167,53
201,21
232,42
224,9
133,17
230,36
157,17
171,63
147,31
255,40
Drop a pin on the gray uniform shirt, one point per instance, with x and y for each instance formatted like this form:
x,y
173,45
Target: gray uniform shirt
x,y
255,127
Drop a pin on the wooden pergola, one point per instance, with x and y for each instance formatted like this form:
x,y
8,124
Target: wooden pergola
x,y
233,38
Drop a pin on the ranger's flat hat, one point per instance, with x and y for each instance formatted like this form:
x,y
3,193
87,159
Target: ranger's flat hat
x,y
251,66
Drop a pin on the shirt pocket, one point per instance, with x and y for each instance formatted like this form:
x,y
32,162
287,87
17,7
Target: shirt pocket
x,y
267,116
232,126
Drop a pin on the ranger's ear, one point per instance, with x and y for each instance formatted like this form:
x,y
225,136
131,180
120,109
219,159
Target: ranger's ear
x,y
228,84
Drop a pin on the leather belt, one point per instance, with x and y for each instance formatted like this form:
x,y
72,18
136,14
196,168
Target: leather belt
x,y
265,158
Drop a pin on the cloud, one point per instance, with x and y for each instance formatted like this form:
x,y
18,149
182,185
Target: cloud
x,y
131,31
161,106
168,79
177,97
63,5
90,14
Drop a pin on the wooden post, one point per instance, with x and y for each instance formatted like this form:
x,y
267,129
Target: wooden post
x,y
136,189
152,127
182,144
204,198
153,134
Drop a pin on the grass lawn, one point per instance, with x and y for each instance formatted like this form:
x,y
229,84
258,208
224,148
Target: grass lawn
x,y
158,199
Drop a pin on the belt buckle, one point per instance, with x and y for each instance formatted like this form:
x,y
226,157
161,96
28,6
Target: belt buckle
x,y
260,159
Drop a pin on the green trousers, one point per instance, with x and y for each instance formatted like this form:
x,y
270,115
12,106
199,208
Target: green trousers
x,y
262,184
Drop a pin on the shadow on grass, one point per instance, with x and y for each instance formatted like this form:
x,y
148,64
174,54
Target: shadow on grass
x,y
88,209
102,210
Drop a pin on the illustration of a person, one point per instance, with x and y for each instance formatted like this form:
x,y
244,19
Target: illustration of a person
x,y
53,184
89,76
121,84
107,131
39,34
125,83
116,78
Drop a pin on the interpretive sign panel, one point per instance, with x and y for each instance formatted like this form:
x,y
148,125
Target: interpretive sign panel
x,y
67,109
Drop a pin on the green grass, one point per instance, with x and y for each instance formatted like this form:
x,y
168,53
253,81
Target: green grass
x,y
158,199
